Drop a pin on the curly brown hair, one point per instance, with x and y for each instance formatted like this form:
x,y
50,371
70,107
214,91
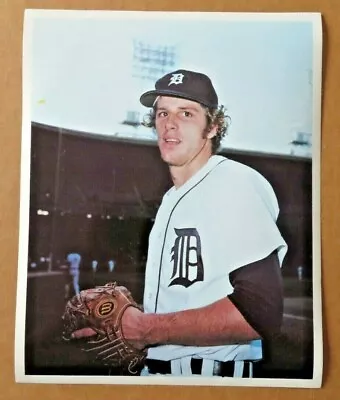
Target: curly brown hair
x,y
215,117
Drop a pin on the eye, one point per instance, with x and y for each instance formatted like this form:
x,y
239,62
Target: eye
x,y
161,114
187,114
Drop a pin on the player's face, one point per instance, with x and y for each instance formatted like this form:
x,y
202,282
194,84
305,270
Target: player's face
x,y
181,129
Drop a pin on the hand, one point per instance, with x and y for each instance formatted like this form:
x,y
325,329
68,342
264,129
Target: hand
x,y
131,327
88,332
83,333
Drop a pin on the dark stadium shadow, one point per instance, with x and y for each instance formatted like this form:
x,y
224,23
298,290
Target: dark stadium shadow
x,y
289,355
62,358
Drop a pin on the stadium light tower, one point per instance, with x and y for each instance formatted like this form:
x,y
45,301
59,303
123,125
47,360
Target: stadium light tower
x,y
301,144
149,62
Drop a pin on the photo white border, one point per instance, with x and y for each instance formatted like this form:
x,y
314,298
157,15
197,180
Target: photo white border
x,y
20,376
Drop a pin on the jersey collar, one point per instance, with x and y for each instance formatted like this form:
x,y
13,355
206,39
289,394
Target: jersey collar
x,y
213,161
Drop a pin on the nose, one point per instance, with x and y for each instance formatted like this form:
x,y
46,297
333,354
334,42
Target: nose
x,y
170,122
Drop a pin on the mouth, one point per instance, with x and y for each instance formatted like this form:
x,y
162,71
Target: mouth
x,y
171,141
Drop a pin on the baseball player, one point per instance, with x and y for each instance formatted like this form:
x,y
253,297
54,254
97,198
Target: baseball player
x,y
111,265
71,288
213,285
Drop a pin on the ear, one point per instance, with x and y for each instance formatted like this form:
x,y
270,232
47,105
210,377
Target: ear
x,y
212,132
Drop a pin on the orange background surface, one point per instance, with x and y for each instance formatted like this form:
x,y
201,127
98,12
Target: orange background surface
x,y
11,25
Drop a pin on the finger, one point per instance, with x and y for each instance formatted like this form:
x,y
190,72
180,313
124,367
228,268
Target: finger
x,y
123,288
81,333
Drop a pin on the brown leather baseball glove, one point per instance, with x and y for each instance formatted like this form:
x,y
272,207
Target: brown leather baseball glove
x,y
101,308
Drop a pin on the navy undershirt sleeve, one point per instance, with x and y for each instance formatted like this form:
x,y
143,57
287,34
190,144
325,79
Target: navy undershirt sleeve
x,y
258,294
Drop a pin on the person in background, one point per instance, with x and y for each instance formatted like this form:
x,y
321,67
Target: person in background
x,y
72,288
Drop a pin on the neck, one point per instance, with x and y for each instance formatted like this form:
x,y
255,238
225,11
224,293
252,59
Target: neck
x,y
181,174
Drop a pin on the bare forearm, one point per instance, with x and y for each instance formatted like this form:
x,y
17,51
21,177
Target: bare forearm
x,y
216,324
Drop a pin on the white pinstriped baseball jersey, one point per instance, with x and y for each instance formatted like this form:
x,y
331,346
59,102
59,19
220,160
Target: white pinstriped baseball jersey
x,y
222,218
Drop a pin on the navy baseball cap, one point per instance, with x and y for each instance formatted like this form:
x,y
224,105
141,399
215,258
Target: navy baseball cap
x,y
189,85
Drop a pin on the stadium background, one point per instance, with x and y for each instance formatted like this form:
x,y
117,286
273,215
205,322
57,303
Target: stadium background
x,y
98,195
